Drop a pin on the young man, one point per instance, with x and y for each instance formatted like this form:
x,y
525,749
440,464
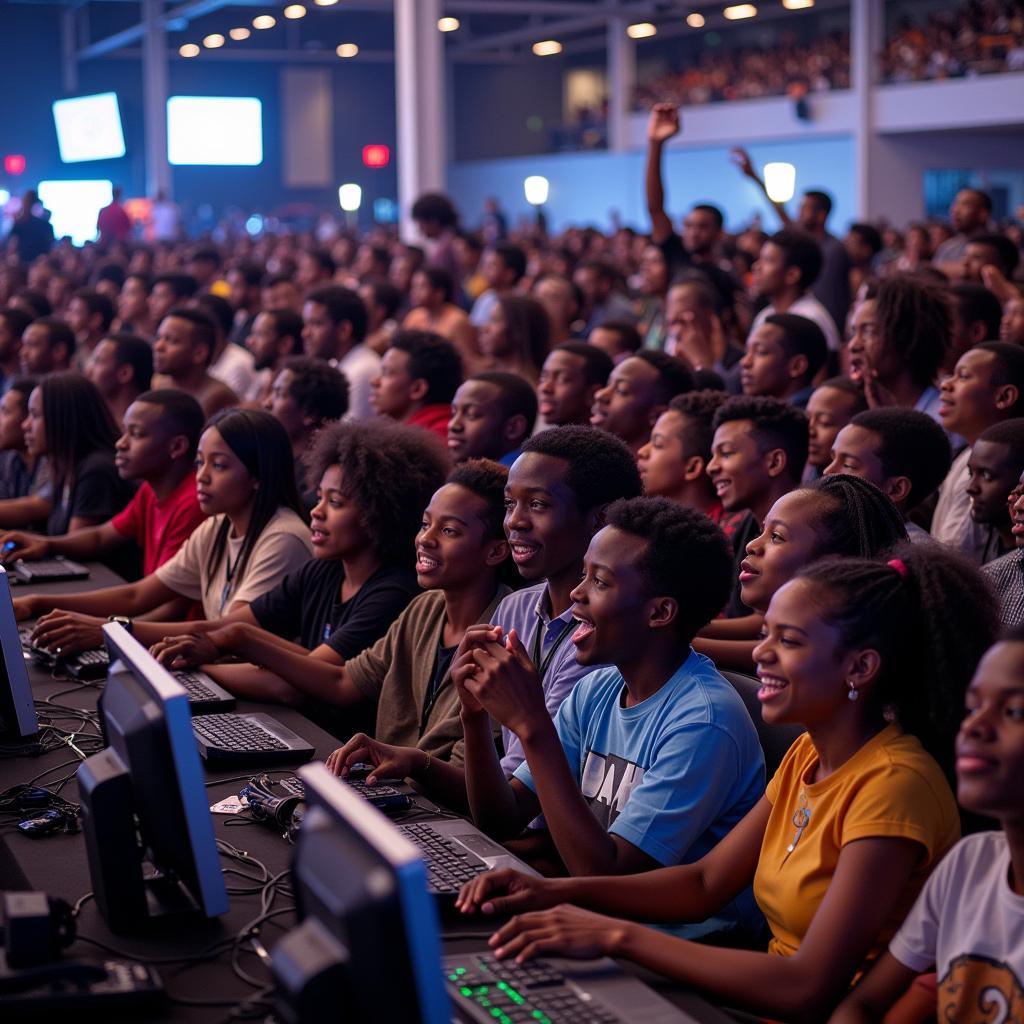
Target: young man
x,y
652,758
986,387
121,367
279,292
555,497
47,346
903,452
185,342
1006,574
970,213
596,281
863,243
169,291
231,364
831,406
12,325
789,264
673,464
418,378
994,467
276,335
157,447
976,315
571,376
306,394
783,356
1011,326
315,269
995,251
618,339
133,306
502,267
89,316
757,455
492,414
637,393
562,300
243,281
334,328
382,300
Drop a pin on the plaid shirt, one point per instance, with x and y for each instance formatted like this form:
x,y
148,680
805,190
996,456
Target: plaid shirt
x,y
1006,576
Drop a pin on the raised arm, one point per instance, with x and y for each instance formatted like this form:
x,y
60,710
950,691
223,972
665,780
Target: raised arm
x,y
741,158
662,126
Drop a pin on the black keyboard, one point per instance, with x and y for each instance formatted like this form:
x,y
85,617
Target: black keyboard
x,y
203,693
50,570
488,990
112,986
449,865
235,740
384,796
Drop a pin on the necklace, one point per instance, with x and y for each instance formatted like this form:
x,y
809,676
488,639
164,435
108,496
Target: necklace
x,y
801,819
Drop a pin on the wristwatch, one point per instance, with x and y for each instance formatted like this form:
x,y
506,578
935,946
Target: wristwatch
x,y
123,621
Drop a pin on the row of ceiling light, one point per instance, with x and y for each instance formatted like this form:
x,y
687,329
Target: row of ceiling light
x,y
544,48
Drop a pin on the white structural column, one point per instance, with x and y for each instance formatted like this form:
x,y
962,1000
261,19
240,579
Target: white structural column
x,y
621,82
154,96
420,99
865,35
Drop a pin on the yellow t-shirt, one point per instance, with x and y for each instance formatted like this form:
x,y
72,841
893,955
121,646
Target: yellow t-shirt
x,y
890,787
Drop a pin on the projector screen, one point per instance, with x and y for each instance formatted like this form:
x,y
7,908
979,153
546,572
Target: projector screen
x,y
215,130
89,128
74,206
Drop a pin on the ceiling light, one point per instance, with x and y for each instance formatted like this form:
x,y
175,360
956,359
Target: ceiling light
x,y
239,34
797,5
189,50
695,20
780,181
325,3
294,11
642,30
264,21
448,24
547,47
739,11
347,50
213,41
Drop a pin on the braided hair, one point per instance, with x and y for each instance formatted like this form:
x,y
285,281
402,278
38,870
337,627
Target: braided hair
x,y
930,616
854,517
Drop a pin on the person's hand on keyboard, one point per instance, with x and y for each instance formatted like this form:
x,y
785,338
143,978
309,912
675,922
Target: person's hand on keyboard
x,y
507,891
68,632
388,762
187,651
29,546
562,931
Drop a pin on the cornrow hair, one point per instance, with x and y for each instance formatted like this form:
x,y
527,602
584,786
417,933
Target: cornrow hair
x,y
930,618
683,545
855,518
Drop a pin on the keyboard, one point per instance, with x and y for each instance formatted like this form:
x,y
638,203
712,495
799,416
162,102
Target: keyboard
x,y
449,866
108,987
204,695
385,796
50,570
487,990
231,740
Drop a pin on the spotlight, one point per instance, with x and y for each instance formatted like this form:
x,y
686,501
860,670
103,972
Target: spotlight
x,y
347,50
547,48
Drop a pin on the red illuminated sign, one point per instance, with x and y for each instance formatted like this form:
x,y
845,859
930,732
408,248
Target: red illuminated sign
x,y
14,164
376,156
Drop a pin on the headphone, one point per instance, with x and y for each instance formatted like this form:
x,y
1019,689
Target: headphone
x,y
269,807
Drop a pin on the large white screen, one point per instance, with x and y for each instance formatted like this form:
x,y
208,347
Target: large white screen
x,y
89,128
74,206
207,130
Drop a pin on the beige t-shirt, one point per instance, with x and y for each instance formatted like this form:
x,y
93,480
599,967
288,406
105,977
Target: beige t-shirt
x,y
283,547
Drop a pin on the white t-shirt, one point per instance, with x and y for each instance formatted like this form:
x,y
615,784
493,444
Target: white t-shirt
x,y
807,306
283,547
952,523
969,924
236,368
360,365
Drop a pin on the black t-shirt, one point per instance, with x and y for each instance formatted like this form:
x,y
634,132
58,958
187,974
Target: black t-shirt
x,y
97,492
678,258
747,529
306,606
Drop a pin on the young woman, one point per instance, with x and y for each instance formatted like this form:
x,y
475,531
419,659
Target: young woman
x,y
517,337
253,537
836,515
18,468
68,422
460,549
967,923
374,478
873,658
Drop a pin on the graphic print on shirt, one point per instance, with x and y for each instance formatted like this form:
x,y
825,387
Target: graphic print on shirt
x,y
607,783
979,990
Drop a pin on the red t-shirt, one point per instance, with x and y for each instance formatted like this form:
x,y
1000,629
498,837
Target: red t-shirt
x,y
160,527
433,418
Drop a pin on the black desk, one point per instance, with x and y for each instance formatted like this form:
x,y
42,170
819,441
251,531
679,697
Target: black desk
x,y
57,865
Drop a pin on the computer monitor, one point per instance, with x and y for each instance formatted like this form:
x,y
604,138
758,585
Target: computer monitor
x,y
145,815
369,937
18,719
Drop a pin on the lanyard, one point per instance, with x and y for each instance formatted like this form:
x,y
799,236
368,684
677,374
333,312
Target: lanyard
x,y
543,665
227,581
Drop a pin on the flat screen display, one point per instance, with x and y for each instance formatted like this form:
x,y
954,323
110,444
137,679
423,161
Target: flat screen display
x,y
89,128
208,131
74,207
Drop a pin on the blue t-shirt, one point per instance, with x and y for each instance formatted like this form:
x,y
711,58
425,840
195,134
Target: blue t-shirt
x,y
671,775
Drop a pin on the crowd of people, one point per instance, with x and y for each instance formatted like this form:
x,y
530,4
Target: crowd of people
x,y
500,509
978,37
